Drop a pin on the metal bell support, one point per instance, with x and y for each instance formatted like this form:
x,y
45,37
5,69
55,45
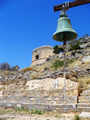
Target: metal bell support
x,y
64,33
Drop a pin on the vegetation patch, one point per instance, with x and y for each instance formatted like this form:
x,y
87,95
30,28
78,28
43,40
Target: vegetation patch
x,y
60,63
5,111
22,110
27,111
58,49
57,64
75,46
39,112
84,82
26,69
76,117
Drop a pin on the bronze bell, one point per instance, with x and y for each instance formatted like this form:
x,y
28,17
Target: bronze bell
x,y
64,30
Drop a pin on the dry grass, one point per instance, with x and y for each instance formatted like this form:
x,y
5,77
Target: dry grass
x,y
84,118
84,82
26,69
75,63
6,111
47,64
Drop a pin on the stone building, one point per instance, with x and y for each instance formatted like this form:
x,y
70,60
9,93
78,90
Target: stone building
x,y
39,55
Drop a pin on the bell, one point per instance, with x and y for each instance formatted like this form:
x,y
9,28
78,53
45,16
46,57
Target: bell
x,y
64,30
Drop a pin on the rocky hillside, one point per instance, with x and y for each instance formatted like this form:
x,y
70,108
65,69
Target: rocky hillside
x,y
45,83
77,63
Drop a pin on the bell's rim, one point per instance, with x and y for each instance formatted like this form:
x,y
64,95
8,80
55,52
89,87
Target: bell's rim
x,y
63,32
63,18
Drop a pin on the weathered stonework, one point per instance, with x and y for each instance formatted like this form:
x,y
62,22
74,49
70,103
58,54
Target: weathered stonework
x,y
51,91
51,84
39,55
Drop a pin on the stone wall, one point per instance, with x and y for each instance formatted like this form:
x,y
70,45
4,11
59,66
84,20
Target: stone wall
x,y
84,101
52,91
51,84
43,94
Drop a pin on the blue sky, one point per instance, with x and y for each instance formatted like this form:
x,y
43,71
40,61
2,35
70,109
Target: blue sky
x,y
28,24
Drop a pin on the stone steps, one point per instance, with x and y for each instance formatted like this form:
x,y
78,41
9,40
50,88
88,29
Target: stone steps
x,y
60,108
86,92
42,100
47,107
84,98
50,101
83,101
83,105
57,92
83,109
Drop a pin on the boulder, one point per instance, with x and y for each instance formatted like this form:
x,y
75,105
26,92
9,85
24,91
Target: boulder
x,y
86,59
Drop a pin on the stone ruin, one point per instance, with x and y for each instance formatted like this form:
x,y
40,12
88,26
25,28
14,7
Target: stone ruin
x,y
39,55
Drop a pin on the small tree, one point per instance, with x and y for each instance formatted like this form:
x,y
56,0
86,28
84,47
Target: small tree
x,y
76,117
75,46
57,49
4,66
57,64
15,68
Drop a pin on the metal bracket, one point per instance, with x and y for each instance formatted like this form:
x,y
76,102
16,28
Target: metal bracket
x,y
66,6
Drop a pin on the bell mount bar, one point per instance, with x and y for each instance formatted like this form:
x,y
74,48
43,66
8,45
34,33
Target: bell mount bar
x,y
71,4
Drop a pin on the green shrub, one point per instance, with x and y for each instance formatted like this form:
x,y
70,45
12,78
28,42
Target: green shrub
x,y
76,117
17,109
22,110
39,112
75,46
57,49
70,61
57,64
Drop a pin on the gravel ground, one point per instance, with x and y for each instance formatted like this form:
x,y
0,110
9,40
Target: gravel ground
x,y
85,115
35,117
70,116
